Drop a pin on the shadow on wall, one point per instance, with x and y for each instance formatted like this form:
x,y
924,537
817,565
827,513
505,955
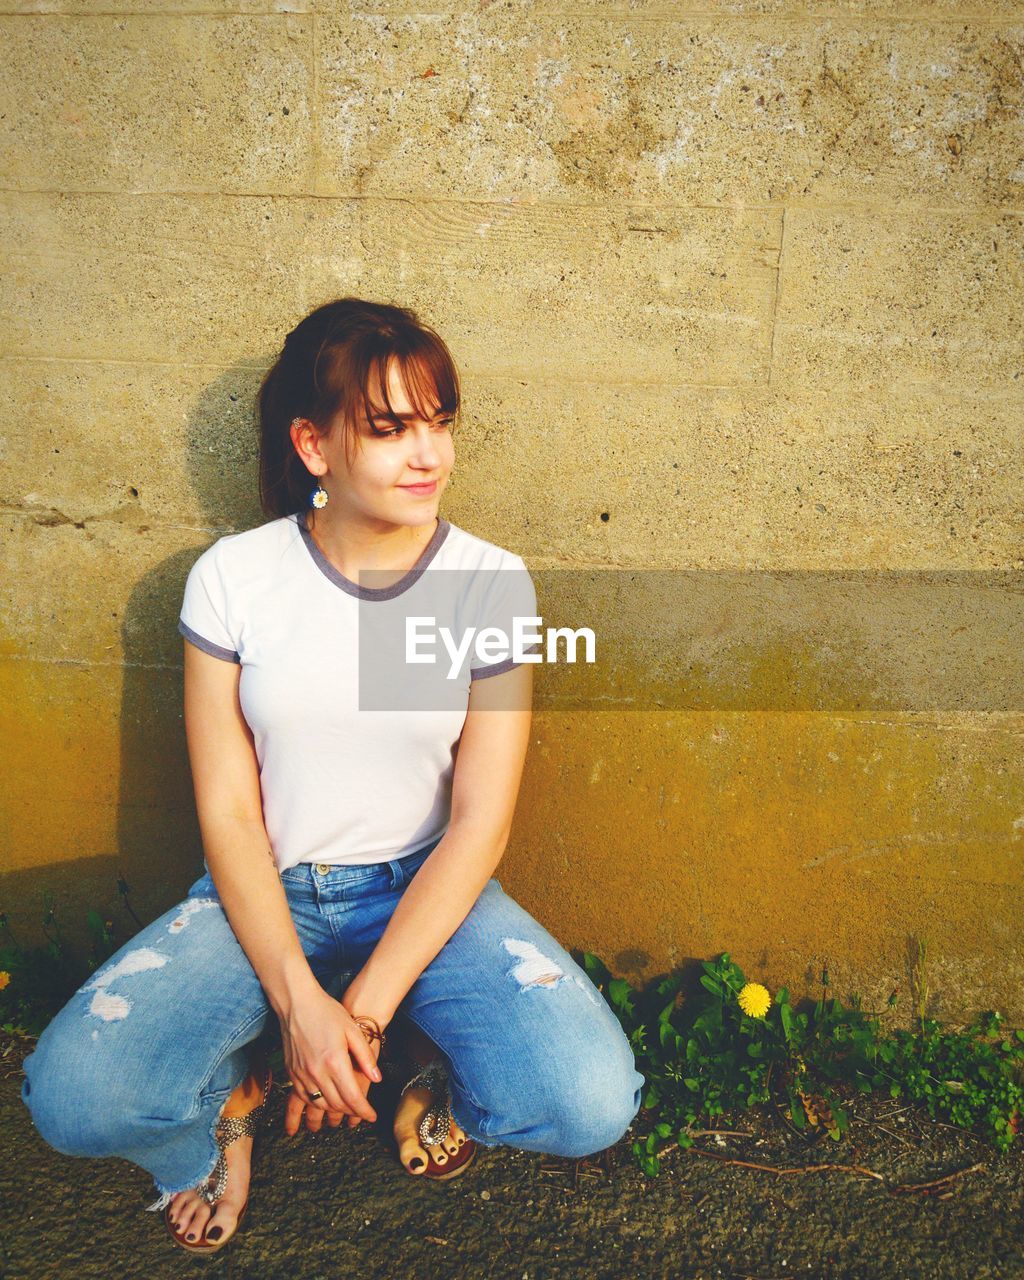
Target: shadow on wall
x,y
158,846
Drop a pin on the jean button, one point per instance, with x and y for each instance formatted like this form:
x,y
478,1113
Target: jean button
x,y
323,867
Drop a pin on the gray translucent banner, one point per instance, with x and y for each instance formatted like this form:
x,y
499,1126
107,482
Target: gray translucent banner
x,y
730,640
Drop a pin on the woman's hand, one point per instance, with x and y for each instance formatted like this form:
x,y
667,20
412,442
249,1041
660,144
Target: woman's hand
x,y
326,1051
314,1111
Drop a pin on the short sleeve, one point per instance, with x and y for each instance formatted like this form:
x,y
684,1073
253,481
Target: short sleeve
x,y
203,619
509,594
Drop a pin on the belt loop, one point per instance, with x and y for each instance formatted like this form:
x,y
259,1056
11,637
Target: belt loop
x,y
396,872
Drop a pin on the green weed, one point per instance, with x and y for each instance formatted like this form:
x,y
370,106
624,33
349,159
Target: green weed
x,y
726,1046
703,1054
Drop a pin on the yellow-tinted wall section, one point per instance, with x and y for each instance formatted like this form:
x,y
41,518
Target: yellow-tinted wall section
x,y
735,290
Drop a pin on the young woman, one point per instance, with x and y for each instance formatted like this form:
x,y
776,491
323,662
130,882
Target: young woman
x,y
350,849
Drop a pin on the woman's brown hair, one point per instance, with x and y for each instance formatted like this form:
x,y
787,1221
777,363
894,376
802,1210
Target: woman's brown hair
x,y
324,374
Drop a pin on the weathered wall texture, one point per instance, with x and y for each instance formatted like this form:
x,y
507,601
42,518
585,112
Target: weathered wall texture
x,y
732,285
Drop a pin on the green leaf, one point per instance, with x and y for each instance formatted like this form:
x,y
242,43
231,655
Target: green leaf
x,y
595,969
618,992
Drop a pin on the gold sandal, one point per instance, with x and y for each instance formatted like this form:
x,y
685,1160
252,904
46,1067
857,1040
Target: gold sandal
x,y
228,1130
436,1122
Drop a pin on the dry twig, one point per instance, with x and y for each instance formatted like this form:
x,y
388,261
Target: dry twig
x,y
806,1168
937,1186
600,1161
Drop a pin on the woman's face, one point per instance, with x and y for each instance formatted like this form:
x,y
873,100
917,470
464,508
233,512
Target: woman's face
x,y
388,459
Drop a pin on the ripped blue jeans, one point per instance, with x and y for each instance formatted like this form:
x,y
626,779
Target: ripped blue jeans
x,y
139,1063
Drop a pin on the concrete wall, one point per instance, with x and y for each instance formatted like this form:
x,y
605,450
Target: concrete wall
x,y
733,286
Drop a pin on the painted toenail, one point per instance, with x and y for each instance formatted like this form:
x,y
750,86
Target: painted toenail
x,y
190,1236
415,1163
215,1234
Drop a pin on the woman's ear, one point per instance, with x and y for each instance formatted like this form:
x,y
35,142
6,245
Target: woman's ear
x,y
306,441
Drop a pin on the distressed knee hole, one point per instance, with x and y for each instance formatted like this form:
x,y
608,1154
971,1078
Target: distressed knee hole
x,y
188,909
107,1004
534,969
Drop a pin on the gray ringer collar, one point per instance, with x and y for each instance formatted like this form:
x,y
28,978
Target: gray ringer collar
x,y
372,593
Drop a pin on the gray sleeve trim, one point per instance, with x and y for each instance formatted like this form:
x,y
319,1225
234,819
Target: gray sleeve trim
x,y
207,646
499,668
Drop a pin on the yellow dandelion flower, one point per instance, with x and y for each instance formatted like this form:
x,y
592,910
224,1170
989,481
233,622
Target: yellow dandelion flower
x,y
754,1000
5,978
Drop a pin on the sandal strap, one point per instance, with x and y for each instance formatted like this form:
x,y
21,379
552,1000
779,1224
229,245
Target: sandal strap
x,y
220,1181
433,1076
228,1130
434,1126
436,1123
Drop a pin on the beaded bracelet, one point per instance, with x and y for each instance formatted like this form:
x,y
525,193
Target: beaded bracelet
x,y
371,1033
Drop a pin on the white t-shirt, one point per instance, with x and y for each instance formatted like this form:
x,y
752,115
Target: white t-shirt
x,y
346,780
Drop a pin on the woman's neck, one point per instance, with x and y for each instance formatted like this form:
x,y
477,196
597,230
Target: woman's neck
x,y
351,547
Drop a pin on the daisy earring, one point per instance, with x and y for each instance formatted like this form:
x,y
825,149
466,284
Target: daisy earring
x,y
318,497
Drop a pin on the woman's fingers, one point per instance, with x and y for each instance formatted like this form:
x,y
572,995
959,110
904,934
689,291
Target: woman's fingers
x,y
352,1083
294,1109
364,1086
326,1085
340,1088
356,1100
365,1058
314,1118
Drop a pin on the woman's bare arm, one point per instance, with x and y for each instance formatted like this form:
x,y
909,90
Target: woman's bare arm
x,y
225,775
229,804
488,771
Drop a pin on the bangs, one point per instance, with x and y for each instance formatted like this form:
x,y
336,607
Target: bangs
x,y
428,377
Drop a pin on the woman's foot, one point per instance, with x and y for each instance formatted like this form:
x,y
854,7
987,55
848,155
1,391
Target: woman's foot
x,y
413,1105
188,1213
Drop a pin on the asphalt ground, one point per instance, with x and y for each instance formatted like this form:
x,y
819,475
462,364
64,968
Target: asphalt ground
x,y
901,1196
